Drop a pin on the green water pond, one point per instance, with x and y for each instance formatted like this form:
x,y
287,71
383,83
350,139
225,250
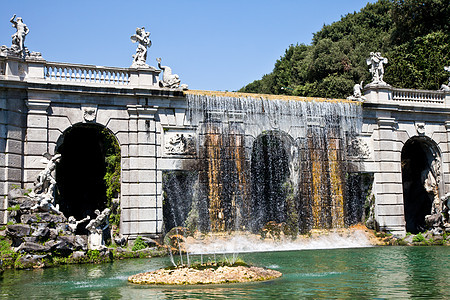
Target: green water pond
x,y
360,273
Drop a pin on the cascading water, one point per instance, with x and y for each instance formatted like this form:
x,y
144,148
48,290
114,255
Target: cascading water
x,y
269,161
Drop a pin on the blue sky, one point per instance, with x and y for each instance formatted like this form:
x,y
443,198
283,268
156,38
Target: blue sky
x,y
212,45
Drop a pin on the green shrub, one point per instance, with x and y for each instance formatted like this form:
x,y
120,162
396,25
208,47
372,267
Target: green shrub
x,y
138,244
418,238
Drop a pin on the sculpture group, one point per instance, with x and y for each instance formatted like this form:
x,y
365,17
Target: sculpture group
x,y
142,38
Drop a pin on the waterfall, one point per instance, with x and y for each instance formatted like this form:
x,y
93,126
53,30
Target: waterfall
x,y
268,163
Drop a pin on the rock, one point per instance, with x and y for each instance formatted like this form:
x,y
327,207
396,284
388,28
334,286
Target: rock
x,y
71,243
428,235
408,239
63,228
66,243
28,218
42,232
16,193
82,241
42,218
51,218
78,255
31,239
433,221
53,233
51,244
30,261
32,247
120,240
447,227
24,202
149,242
18,230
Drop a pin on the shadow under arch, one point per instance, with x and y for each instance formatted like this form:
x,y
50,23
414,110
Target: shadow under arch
x,y
270,174
421,162
80,175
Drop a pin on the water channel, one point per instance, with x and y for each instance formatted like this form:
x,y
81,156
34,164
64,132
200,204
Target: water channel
x,y
358,273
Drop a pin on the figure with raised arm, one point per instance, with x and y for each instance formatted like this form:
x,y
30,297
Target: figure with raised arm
x,y
141,37
376,63
18,38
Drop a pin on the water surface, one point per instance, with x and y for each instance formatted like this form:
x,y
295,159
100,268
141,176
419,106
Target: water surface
x,y
369,273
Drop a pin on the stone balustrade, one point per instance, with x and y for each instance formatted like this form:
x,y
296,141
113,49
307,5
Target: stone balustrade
x,y
86,74
418,95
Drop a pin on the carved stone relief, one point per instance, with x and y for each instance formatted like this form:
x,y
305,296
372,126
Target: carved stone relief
x,y
179,144
420,128
89,112
358,149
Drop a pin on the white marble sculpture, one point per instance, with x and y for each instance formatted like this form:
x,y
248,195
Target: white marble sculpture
x,y
44,186
141,37
446,87
169,80
376,63
96,228
73,223
357,93
18,38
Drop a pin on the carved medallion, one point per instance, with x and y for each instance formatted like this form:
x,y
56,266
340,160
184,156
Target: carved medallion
x,y
89,113
420,127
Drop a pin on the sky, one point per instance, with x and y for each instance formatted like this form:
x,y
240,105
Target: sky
x,y
211,45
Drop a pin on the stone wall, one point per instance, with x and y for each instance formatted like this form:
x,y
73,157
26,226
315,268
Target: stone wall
x,y
389,122
12,136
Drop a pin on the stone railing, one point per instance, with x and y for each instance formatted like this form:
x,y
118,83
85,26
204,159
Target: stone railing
x,y
418,95
86,74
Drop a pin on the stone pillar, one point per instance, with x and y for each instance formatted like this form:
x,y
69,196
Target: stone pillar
x,y
142,204
446,161
36,142
388,188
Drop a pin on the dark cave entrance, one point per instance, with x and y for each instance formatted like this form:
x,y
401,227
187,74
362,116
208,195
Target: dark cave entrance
x,y
419,162
81,172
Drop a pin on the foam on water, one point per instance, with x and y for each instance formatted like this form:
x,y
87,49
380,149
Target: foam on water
x,y
242,243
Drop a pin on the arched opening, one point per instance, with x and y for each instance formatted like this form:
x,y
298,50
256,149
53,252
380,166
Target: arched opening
x,y
269,176
420,178
88,175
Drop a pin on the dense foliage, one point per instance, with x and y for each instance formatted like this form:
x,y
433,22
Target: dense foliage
x,y
112,176
414,36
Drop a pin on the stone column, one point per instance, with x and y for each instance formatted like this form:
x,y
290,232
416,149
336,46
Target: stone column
x,y
142,206
388,188
36,142
446,161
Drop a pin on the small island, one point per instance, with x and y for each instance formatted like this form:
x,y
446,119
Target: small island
x,y
210,273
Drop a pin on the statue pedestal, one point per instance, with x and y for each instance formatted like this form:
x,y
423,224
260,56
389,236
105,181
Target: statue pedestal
x,y
142,76
95,240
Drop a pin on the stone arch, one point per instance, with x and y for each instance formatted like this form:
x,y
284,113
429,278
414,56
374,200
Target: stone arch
x,y
271,171
80,176
421,177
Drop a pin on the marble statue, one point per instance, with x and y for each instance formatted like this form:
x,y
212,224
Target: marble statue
x,y
169,80
18,38
44,186
446,87
376,63
357,93
142,38
73,223
96,227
